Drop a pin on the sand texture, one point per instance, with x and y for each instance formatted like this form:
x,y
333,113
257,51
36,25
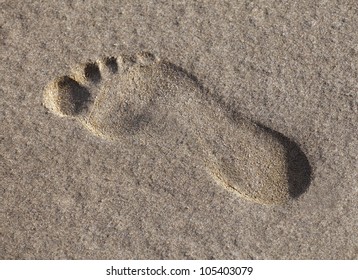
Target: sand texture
x,y
181,130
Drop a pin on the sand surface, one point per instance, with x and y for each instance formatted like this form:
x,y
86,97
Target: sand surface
x,y
182,130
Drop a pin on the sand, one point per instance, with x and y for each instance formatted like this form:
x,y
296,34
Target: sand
x,y
184,130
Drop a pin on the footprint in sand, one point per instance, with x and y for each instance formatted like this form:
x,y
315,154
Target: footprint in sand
x,y
141,98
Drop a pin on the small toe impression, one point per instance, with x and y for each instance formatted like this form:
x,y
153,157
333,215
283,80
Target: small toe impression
x,y
111,64
66,97
146,58
126,62
92,72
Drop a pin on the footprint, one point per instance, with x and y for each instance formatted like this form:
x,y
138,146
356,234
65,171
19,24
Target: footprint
x,y
143,99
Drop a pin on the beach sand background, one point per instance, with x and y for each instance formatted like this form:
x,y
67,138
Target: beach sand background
x,y
68,194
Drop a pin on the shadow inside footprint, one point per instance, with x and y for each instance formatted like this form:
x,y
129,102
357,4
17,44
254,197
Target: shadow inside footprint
x,y
299,170
72,98
92,73
111,64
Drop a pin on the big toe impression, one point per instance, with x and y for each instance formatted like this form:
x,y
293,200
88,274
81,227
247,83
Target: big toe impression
x,y
66,97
